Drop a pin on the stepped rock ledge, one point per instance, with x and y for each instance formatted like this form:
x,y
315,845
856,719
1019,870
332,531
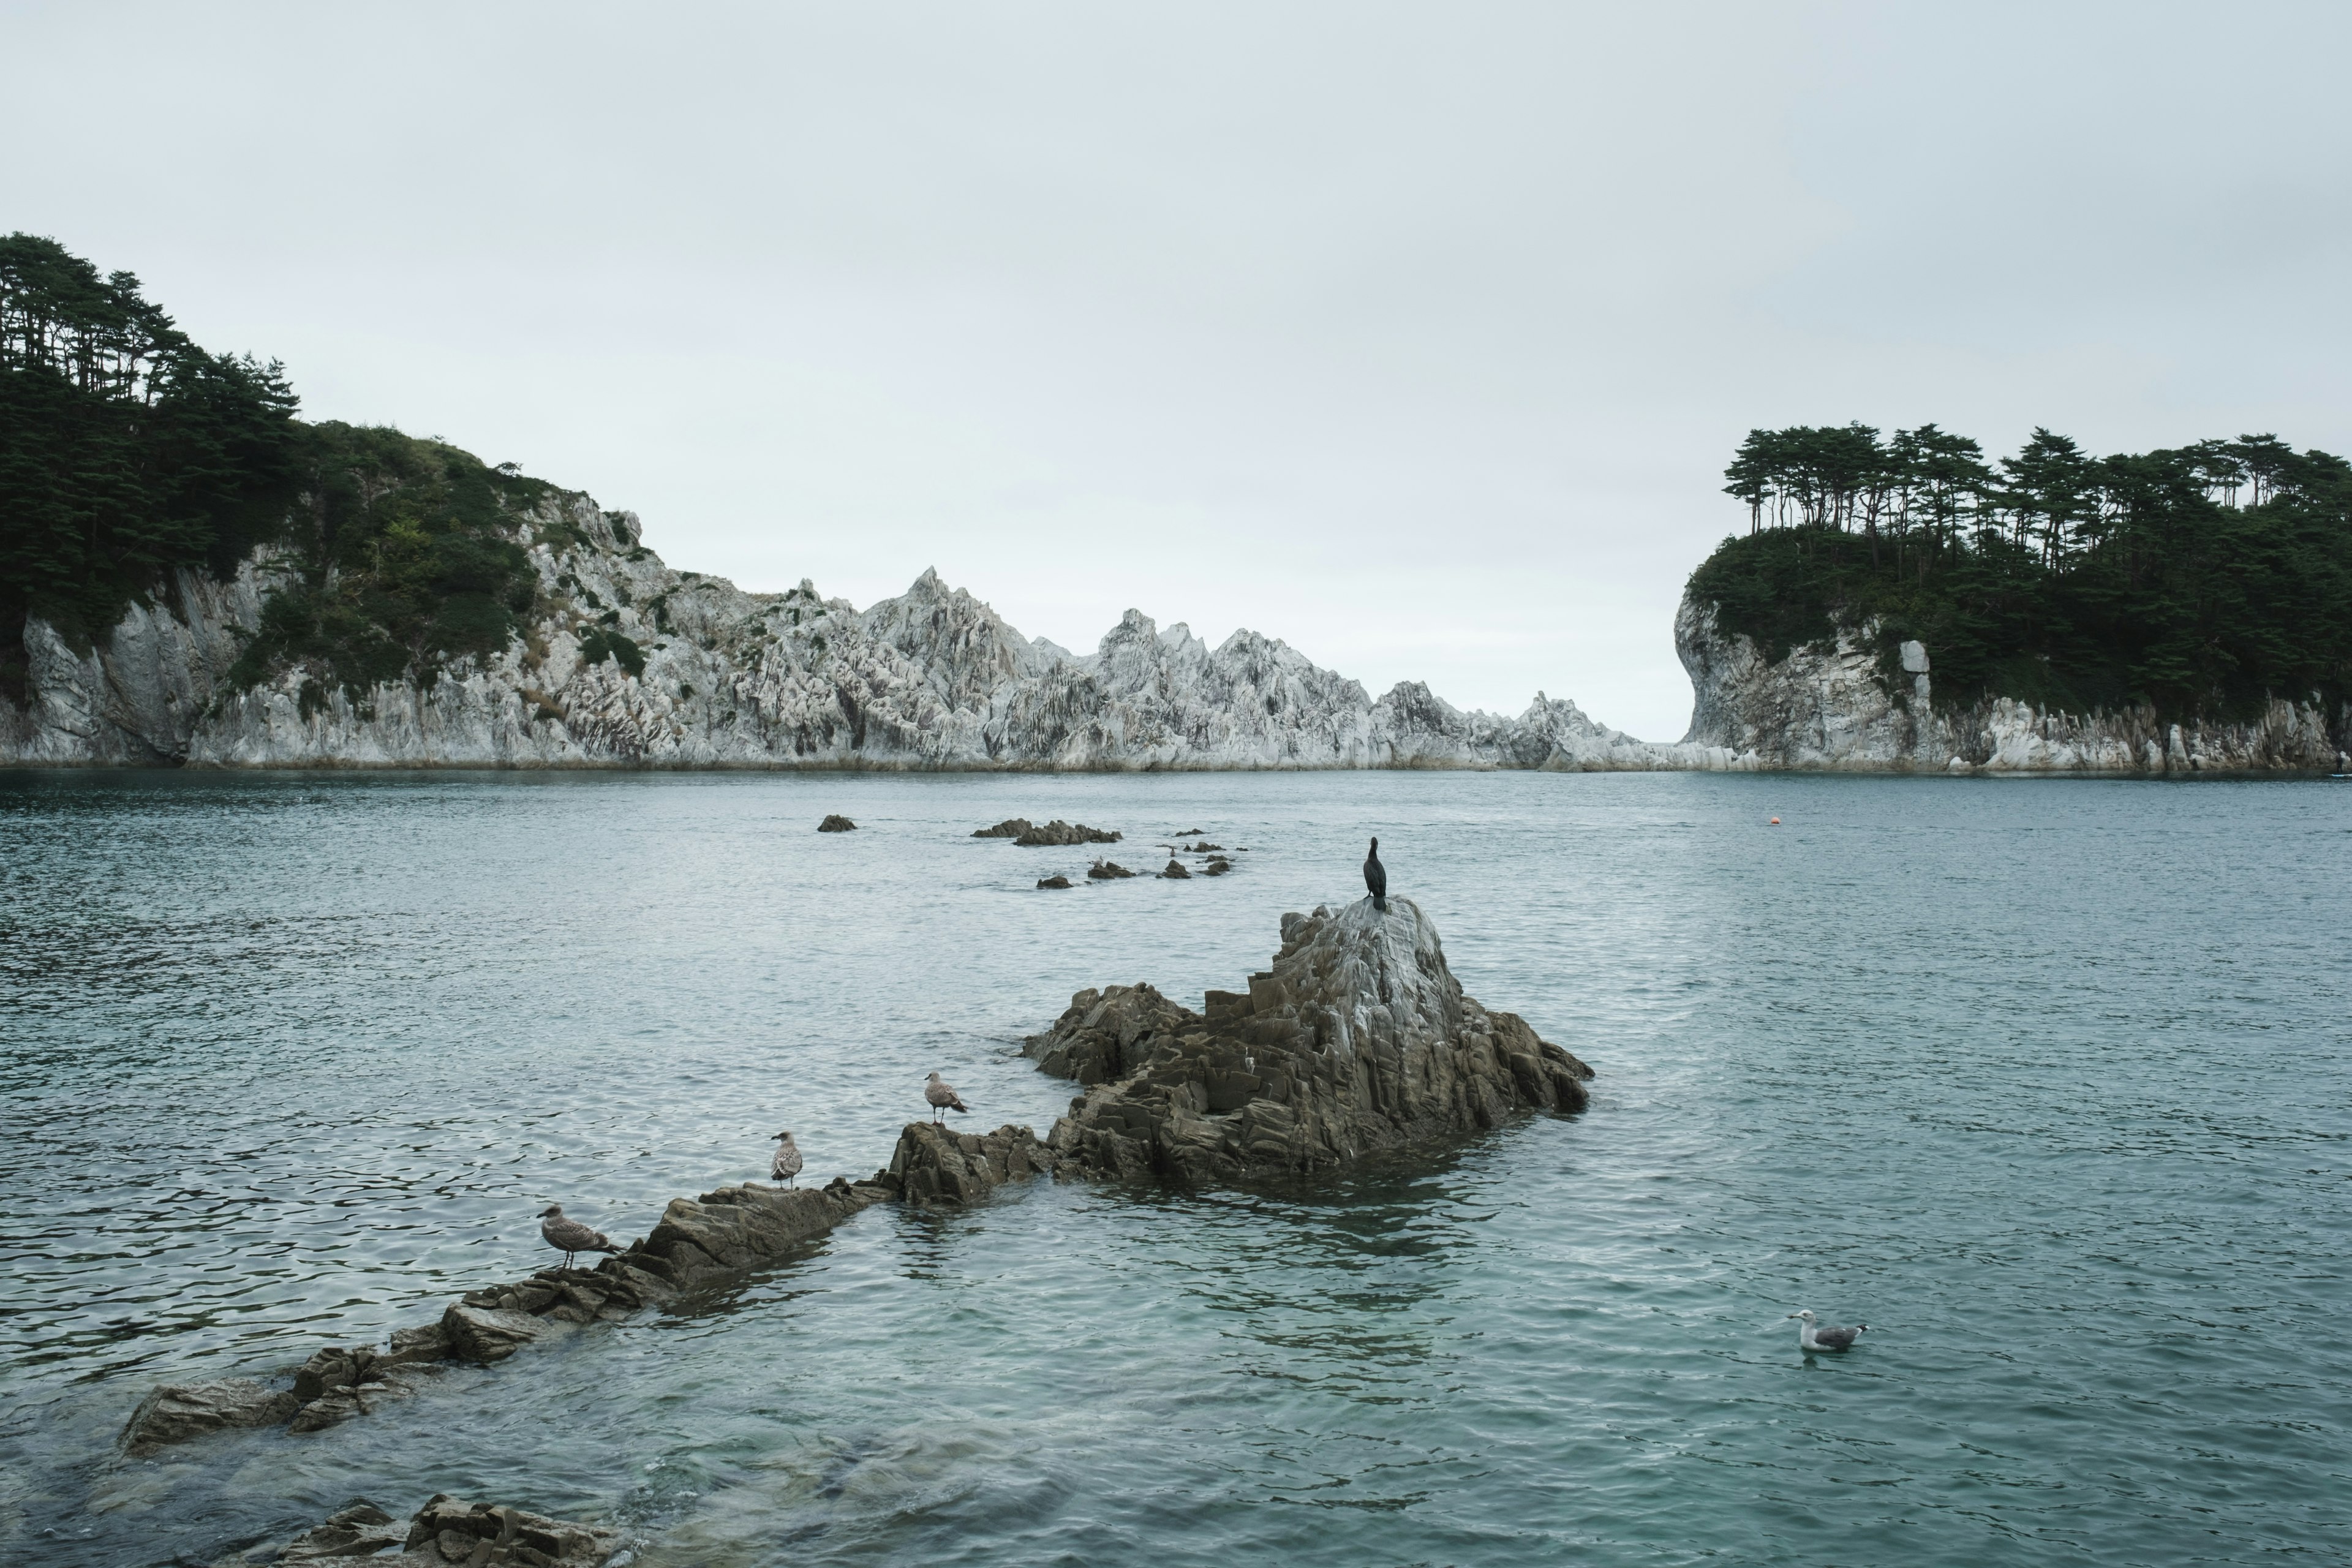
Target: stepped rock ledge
x,y
1357,1038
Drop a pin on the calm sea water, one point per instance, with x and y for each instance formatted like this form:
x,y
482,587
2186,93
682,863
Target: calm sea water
x,y
2049,1082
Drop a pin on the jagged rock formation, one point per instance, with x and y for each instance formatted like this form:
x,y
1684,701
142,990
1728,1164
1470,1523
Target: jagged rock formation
x,y
932,678
1357,1038
1841,709
1060,834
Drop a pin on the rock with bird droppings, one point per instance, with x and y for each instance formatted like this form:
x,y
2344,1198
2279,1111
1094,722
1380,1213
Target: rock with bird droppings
x,y
1357,1038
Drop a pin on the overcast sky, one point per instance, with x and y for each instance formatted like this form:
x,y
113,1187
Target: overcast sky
x,y
1417,336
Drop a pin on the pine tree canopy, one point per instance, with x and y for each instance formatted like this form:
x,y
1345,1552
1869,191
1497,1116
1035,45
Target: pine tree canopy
x,y
127,453
2203,580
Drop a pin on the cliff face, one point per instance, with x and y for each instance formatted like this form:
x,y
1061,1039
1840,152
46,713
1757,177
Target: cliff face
x,y
932,678
1832,709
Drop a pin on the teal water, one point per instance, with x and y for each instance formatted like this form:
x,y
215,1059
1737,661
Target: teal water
x,y
2049,1082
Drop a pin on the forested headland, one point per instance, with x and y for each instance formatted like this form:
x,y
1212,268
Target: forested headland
x,y
126,451
2201,581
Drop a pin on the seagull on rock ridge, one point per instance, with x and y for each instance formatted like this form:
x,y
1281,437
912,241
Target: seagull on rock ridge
x,y
1811,1336
568,1236
942,1097
1376,878
787,1166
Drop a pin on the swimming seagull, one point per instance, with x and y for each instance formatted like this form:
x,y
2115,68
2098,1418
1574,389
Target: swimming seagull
x,y
1376,878
787,1167
941,1097
568,1236
1811,1336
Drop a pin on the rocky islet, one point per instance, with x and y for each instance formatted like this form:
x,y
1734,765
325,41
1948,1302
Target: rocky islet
x,y
1356,1039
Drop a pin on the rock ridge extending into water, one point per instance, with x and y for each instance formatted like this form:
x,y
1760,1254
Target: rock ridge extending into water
x,y
696,1242
1356,1039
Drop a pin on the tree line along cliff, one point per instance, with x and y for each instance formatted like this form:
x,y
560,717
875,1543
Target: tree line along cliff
x,y
127,452
190,572
2201,582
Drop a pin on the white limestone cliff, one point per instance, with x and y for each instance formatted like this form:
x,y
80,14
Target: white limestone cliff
x,y
932,678
1834,709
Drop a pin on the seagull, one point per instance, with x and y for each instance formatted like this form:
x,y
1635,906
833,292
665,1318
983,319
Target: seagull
x,y
942,1097
1376,878
787,1167
1812,1337
569,1236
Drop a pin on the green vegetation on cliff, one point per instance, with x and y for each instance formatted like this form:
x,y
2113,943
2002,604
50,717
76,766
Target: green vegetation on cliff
x,y
127,452
2201,580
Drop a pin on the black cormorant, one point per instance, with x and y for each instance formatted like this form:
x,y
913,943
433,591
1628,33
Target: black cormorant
x,y
1376,878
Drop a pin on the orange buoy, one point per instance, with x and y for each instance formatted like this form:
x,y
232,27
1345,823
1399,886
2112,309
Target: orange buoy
x,y
1775,822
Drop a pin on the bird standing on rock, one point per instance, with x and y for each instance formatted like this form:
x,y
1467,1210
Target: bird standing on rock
x,y
787,1165
941,1097
568,1236
1376,878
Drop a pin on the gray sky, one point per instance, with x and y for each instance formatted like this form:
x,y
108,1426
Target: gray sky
x,y
1417,336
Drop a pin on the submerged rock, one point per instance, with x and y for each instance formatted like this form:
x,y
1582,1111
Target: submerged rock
x,y
1054,881
1011,827
1108,871
1217,867
1060,834
934,1164
836,824
1357,1038
177,1412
